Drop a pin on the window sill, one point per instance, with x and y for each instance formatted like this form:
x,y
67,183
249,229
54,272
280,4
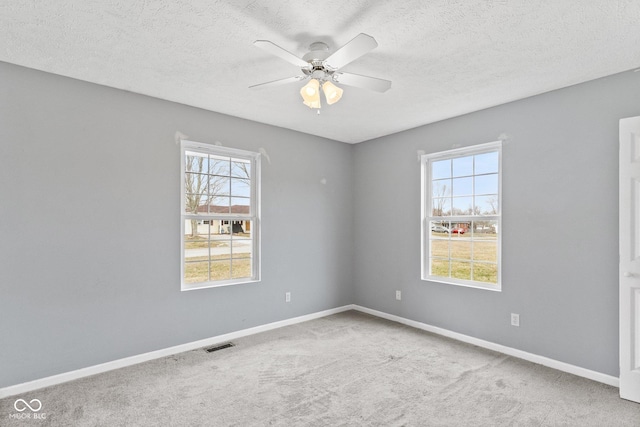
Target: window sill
x,y
217,284
465,283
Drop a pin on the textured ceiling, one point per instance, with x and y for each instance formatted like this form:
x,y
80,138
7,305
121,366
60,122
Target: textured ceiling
x,y
445,57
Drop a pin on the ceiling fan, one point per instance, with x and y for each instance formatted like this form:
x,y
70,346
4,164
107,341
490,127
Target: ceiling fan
x,y
323,69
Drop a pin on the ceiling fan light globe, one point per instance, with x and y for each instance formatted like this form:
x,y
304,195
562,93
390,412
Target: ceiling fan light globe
x,y
310,91
313,104
332,92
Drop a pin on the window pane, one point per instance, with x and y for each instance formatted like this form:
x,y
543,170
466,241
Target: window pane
x,y
220,205
463,166
461,250
461,270
486,163
441,188
487,273
220,270
196,272
441,169
440,248
486,205
241,268
196,239
486,184
195,182
219,185
220,246
462,205
241,248
485,251
458,229
195,203
196,162
485,230
440,229
240,205
463,186
242,230
237,228
219,166
441,207
240,169
240,187
439,267
241,241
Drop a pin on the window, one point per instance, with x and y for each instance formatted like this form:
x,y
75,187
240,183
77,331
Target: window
x,y
220,216
461,216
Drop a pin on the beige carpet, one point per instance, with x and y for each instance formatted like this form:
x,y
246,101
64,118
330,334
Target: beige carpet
x,y
348,369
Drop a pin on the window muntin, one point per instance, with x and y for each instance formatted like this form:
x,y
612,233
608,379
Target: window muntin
x,y
220,216
461,216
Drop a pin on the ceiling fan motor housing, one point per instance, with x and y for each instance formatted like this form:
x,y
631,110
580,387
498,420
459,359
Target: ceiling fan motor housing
x,y
316,56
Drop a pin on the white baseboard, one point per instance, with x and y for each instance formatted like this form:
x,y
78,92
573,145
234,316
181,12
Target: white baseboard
x,y
133,360
541,360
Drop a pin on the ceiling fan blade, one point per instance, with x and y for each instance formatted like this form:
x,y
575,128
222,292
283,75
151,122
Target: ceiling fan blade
x,y
276,50
365,82
358,46
279,82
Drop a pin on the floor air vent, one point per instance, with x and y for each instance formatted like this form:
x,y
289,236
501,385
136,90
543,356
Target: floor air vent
x,y
219,347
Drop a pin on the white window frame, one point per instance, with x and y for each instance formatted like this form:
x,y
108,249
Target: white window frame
x,y
253,215
427,217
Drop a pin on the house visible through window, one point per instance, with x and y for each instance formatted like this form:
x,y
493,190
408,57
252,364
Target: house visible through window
x,y
220,216
461,221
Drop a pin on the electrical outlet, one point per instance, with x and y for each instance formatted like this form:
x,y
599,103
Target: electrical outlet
x,y
515,319
287,297
398,295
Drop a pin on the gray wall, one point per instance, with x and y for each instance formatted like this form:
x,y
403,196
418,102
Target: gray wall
x,y
560,224
89,229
